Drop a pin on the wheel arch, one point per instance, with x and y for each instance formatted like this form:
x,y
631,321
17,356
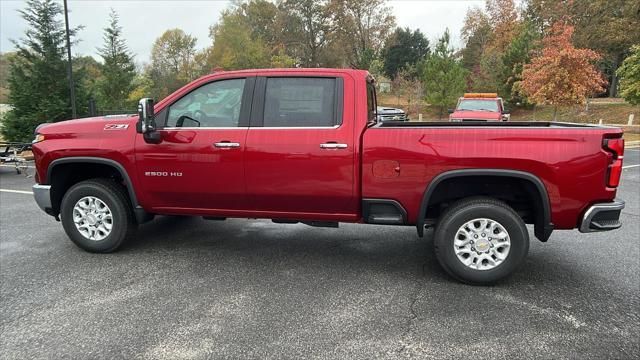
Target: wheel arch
x,y
95,162
542,223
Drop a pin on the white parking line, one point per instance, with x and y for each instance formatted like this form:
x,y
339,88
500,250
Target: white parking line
x,y
16,191
630,166
13,166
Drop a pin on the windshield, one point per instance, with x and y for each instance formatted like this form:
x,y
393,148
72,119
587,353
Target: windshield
x,y
478,105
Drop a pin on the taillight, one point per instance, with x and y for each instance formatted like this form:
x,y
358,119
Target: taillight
x,y
616,148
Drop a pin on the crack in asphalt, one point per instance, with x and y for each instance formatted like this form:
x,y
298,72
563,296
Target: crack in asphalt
x,y
413,298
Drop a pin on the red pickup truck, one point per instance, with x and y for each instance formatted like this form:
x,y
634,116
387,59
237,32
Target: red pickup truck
x,y
479,107
303,145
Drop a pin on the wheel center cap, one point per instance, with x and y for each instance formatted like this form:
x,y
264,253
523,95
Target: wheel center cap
x,y
91,219
482,245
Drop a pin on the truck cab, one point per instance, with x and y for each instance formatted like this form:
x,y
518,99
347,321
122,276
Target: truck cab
x,y
479,107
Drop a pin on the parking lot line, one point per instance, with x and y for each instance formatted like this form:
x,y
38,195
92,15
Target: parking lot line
x,y
13,166
16,191
630,166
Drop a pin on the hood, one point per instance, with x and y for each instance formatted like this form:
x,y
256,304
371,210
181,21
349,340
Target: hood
x,y
383,110
479,115
90,125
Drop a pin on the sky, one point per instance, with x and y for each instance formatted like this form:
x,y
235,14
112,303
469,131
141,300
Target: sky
x,y
143,21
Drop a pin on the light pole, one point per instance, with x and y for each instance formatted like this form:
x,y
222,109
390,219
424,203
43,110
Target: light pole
x,y
69,67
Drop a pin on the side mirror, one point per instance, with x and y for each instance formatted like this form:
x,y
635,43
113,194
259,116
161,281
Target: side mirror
x,y
450,111
146,122
506,112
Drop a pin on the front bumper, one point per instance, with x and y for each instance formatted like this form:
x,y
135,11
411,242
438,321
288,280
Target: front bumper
x,y
42,194
602,217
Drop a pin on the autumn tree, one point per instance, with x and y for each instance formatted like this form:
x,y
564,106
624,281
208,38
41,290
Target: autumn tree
x,y
307,31
118,68
629,74
245,37
172,62
443,75
5,61
403,49
476,33
609,27
363,27
496,45
561,74
504,19
406,86
515,56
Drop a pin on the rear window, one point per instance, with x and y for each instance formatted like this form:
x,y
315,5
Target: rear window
x,y
300,102
478,105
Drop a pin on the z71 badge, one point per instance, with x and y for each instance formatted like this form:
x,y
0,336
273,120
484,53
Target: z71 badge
x,y
116,126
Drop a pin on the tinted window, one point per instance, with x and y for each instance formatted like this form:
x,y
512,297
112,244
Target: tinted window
x,y
300,102
216,104
371,102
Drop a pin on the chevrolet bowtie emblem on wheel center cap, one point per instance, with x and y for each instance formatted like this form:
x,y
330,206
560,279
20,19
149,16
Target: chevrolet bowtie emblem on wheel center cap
x,y
482,245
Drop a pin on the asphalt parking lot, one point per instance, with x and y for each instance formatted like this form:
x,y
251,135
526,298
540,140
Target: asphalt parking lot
x,y
190,288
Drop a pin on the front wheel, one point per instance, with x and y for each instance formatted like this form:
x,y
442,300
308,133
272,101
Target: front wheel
x,y
97,216
480,240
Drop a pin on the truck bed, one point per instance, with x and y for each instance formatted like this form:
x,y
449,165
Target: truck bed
x,y
567,158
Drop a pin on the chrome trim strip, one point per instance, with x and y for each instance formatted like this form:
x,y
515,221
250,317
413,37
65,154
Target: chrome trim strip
x,y
248,127
41,194
594,210
206,128
295,127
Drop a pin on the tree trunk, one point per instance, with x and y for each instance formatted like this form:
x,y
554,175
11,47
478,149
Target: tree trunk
x,y
586,109
613,89
555,112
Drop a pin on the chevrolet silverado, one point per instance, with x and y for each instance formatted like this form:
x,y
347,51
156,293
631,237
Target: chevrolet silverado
x,y
304,145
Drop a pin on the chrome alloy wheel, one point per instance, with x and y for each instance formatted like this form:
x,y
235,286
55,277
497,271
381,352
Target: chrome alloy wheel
x,y
92,218
482,244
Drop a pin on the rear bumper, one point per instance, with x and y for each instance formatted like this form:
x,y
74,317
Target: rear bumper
x,y
42,194
602,217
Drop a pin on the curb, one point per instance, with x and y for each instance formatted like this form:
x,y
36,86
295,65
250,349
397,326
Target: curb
x,y
630,144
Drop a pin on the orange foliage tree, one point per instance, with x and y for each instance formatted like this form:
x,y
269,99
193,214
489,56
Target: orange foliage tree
x,y
561,74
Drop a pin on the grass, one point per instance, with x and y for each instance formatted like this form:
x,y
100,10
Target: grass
x,y
631,137
611,111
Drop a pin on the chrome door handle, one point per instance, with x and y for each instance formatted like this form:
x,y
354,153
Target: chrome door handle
x,y
226,145
332,145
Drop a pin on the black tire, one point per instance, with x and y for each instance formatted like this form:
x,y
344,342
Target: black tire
x,y
469,209
115,197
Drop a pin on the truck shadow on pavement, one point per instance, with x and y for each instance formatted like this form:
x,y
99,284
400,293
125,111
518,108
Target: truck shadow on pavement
x,y
365,248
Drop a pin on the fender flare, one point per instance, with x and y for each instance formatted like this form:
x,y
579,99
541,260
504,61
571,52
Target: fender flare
x,y
542,227
141,215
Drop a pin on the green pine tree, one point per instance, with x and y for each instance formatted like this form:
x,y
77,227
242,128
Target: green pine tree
x,y
443,75
629,74
38,83
118,70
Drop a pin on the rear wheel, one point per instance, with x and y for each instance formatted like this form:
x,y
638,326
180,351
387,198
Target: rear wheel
x,y
97,216
480,240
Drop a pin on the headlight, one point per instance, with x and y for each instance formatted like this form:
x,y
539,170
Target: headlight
x,y
39,137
